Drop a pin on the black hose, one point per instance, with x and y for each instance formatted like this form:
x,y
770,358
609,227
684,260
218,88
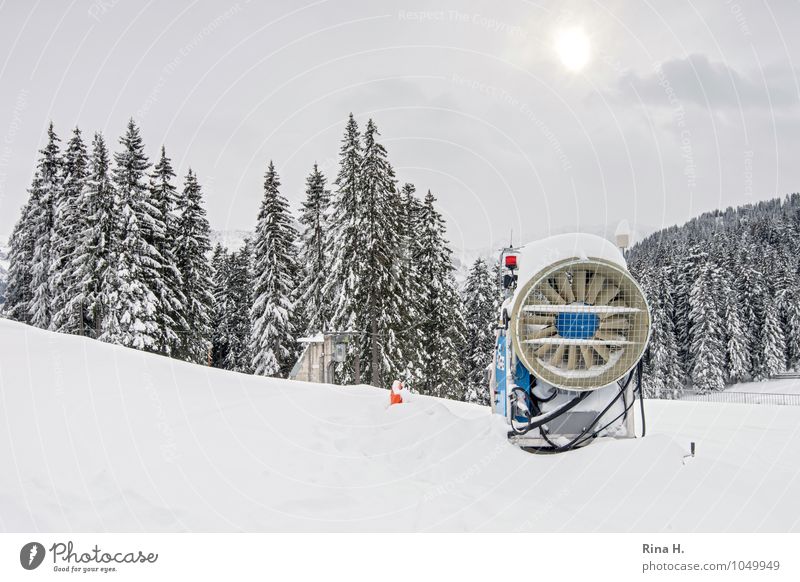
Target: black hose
x,y
548,399
545,418
582,438
639,367
602,428
515,410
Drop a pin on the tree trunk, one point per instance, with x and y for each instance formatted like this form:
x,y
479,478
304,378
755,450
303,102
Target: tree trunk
x,y
374,346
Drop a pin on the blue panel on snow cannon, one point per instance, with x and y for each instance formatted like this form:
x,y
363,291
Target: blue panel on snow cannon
x,y
577,325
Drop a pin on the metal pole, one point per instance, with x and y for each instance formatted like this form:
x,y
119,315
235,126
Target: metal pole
x,y
358,364
80,315
630,417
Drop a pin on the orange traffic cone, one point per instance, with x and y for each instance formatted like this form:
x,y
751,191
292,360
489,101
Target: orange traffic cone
x,y
394,394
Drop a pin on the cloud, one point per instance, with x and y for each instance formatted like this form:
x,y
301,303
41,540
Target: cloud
x,y
700,81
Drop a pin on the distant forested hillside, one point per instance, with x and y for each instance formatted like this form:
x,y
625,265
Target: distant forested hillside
x,y
724,291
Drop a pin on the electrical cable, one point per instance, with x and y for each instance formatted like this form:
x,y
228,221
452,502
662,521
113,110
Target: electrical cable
x,y
548,399
584,437
547,417
639,367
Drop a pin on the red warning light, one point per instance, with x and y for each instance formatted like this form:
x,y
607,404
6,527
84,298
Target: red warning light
x,y
511,261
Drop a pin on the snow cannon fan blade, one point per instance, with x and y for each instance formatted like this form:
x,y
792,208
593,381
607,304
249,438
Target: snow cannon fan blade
x,y
580,324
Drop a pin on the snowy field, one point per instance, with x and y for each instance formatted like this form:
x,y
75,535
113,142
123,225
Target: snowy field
x,y
782,386
96,437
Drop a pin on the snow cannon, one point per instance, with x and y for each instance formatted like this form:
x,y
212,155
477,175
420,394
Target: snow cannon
x,y
573,329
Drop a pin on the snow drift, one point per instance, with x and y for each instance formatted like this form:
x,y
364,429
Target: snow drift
x,y
98,437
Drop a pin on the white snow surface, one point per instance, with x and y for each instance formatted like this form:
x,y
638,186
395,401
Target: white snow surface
x,y
95,437
776,386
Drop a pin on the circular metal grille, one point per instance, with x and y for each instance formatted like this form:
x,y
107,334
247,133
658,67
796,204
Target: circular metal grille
x,y
580,324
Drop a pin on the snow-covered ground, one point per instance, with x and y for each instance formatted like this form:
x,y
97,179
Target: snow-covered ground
x,y
777,386
98,437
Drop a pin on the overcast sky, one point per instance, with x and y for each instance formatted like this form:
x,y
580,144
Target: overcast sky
x,y
680,108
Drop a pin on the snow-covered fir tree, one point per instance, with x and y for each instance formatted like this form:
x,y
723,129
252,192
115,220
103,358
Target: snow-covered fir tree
x,y
770,358
239,298
192,248
753,250
442,320
480,313
662,365
93,259
273,338
19,291
45,195
164,236
737,350
68,311
220,265
345,240
232,301
132,316
749,288
705,330
315,254
380,297
411,288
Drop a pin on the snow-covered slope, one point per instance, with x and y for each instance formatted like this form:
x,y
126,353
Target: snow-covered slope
x,y
97,437
777,386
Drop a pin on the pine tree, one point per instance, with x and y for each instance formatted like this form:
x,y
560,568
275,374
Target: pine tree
x,y
315,254
166,282
663,371
755,248
749,288
686,275
345,239
132,317
791,307
19,292
480,309
786,284
93,259
737,350
191,249
43,203
705,330
237,319
220,334
379,289
273,340
411,288
442,324
70,222
773,347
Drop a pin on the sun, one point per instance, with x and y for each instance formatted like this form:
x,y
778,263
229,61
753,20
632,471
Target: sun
x,y
573,48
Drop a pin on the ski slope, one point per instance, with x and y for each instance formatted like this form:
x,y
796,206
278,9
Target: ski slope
x,y
777,386
95,437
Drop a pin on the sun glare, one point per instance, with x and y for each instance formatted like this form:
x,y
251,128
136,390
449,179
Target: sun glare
x,y
572,47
